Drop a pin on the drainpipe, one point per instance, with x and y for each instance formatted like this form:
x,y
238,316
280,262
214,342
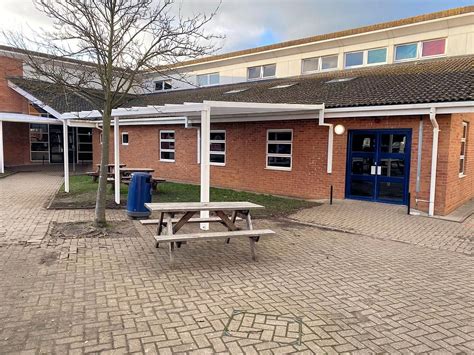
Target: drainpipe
x,y
434,161
330,138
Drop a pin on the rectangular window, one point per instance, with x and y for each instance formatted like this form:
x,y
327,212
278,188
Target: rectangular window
x,y
208,79
406,51
217,148
125,138
39,142
167,146
329,62
162,85
462,156
354,59
261,72
279,149
310,65
377,56
433,48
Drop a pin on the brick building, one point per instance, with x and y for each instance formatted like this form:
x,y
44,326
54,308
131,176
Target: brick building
x,y
398,113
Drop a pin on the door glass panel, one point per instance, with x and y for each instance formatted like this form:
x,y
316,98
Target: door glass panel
x,y
393,143
363,143
392,167
391,191
361,165
362,188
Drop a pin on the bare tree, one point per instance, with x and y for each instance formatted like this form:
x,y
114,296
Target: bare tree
x,y
108,45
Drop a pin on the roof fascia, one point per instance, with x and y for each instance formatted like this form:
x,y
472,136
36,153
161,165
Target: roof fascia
x,y
23,118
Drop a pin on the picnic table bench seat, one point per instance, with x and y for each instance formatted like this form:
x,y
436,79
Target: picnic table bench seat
x,y
186,237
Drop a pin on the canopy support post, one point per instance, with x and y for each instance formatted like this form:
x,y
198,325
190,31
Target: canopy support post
x,y
66,155
205,163
2,158
117,160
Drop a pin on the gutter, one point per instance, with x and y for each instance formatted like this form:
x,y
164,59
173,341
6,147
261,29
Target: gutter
x,y
434,161
330,138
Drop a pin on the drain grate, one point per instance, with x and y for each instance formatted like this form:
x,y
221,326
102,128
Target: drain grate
x,y
264,327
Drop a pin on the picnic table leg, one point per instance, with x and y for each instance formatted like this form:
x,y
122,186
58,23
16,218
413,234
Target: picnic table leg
x,y
169,227
160,228
229,223
252,240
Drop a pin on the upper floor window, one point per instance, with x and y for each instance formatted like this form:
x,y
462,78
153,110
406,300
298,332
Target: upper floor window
x,y
462,156
162,85
367,57
311,65
422,49
208,79
261,72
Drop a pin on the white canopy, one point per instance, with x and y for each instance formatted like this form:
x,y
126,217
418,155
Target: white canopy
x,y
199,112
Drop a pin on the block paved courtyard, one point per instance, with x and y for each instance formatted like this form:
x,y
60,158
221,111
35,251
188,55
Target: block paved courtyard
x,y
314,290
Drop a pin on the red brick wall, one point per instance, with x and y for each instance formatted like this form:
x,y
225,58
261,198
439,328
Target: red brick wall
x,y
15,135
10,101
459,189
246,154
16,142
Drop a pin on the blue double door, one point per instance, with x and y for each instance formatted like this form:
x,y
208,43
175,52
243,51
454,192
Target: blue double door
x,y
378,165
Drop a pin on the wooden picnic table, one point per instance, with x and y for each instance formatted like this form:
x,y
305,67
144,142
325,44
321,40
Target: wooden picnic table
x,y
238,211
111,167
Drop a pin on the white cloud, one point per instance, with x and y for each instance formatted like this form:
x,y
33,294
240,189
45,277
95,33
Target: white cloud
x,y
250,23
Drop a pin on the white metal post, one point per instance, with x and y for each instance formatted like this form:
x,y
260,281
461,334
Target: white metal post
x,y
117,160
66,155
2,158
205,163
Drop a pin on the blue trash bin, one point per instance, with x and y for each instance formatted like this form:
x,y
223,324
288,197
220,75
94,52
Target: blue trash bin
x,y
139,193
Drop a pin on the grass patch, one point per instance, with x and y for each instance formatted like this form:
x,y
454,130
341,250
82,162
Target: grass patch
x,y
83,193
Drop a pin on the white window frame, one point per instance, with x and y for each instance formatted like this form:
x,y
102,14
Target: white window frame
x,y
320,64
128,138
168,150
462,156
163,81
224,153
419,50
261,77
208,76
365,58
267,155
37,151
101,136
436,55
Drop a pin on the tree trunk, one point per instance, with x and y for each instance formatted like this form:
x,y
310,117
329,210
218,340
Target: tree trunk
x,y
101,200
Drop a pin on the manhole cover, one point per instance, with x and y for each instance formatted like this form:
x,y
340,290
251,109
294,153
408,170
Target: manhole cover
x,y
264,327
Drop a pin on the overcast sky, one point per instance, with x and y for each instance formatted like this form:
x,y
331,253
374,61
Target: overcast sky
x,y
251,23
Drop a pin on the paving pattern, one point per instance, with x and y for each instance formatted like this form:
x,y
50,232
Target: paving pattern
x,y
23,198
391,222
118,294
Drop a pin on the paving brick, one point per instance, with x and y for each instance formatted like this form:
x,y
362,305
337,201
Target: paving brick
x,y
354,292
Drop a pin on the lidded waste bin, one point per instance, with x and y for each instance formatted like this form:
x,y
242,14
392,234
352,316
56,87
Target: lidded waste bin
x,y
139,193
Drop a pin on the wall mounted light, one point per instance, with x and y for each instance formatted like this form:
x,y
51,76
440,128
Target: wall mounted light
x,y
339,129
